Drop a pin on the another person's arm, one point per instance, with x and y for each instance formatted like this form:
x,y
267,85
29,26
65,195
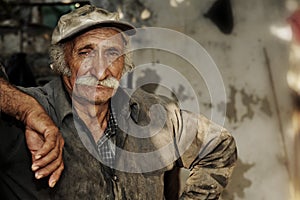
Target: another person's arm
x,y
42,136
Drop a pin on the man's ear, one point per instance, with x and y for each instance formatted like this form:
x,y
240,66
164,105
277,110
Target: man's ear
x,y
68,84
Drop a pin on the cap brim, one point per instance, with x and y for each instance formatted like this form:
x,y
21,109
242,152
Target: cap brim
x,y
127,28
124,27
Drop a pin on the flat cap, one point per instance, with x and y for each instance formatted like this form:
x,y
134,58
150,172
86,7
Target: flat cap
x,y
86,17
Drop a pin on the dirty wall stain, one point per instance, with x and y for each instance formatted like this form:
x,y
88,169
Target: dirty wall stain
x,y
250,102
238,182
231,111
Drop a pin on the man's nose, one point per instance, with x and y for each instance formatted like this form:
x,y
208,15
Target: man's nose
x,y
100,65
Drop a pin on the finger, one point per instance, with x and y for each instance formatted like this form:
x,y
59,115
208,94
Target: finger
x,y
50,144
56,175
49,168
50,158
49,163
34,140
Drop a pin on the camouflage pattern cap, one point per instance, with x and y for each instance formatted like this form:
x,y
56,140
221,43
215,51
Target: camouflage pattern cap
x,y
86,17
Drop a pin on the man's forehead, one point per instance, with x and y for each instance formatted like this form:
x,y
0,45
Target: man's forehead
x,y
102,36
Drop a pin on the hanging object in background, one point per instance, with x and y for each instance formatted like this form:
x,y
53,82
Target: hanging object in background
x,y
221,15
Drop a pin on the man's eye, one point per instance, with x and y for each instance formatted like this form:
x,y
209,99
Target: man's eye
x,y
113,53
86,53
83,53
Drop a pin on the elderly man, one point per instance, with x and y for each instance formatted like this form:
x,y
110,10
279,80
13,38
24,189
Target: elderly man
x,y
108,153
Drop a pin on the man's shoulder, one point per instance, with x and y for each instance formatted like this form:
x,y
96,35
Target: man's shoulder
x,y
46,94
45,90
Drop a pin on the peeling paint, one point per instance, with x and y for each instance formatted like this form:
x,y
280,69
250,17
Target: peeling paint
x,y
151,76
239,182
218,44
208,105
180,94
265,107
248,100
237,111
231,111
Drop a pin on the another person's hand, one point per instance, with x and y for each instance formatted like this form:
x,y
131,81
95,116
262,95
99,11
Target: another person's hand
x,y
45,144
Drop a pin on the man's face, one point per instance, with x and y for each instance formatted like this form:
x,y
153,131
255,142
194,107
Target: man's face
x,y
96,61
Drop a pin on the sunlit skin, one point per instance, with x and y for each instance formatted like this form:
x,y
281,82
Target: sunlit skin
x,y
98,53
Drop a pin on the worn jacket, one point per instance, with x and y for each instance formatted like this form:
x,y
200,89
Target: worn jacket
x,y
154,135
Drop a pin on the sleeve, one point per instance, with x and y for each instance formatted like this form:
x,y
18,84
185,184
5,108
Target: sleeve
x,y
40,95
210,153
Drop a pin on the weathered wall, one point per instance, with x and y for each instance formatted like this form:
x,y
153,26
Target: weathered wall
x,y
253,63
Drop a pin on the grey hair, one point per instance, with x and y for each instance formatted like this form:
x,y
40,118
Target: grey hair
x,y
128,62
57,60
59,65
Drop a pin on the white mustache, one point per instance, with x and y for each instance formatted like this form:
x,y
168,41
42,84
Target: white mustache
x,y
110,82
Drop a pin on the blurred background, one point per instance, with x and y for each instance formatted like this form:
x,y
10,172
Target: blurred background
x,y
254,46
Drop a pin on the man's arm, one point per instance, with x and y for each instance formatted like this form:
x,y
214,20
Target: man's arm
x,y
209,151
42,136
